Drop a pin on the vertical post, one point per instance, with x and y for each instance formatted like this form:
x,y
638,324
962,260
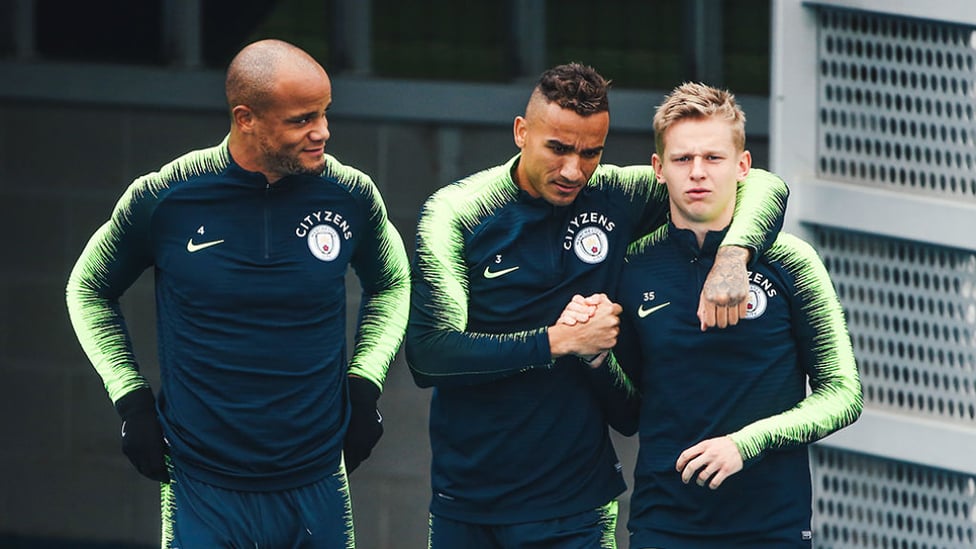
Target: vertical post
x,y
703,41
353,33
182,26
529,37
22,28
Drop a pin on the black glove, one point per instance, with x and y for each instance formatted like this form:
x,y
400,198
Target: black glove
x,y
365,422
142,436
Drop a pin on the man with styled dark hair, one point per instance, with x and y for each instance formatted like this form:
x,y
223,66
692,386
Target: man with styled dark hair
x,y
250,242
521,405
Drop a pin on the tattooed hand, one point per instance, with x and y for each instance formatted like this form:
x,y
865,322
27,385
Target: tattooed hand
x,y
726,292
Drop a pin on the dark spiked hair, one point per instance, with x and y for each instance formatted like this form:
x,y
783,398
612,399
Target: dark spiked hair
x,y
575,86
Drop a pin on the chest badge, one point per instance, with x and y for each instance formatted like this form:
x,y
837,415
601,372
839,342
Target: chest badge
x,y
757,302
324,242
591,245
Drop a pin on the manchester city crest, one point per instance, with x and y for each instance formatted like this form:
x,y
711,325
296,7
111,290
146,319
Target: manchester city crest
x,y
757,302
591,245
324,242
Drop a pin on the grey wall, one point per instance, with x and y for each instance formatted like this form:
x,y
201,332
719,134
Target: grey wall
x,y
62,167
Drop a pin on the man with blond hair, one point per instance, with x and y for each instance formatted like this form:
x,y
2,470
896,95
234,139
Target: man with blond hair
x,y
724,418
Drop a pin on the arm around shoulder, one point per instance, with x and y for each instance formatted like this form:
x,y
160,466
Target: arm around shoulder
x,y
760,209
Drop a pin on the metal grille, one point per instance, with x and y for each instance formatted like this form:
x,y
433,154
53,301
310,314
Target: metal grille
x,y
861,501
896,103
911,311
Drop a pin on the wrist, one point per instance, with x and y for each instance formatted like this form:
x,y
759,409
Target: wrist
x,y
363,392
561,341
594,361
139,401
736,253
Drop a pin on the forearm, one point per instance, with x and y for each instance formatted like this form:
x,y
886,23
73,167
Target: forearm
x,y
827,409
384,310
759,212
380,333
98,322
451,357
618,395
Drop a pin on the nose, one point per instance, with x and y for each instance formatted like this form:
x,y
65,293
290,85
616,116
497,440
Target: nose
x,y
697,167
572,169
320,131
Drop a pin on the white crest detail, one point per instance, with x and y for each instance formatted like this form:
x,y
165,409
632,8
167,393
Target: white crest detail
x,y
591,245
757,302
324,242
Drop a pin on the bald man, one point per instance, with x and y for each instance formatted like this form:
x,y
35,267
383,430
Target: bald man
x,y
519,417
250,242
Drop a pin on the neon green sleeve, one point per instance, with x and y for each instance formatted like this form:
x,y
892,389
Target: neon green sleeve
x,y
824,351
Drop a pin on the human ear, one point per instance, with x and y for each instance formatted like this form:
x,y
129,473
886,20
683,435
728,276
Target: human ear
x,y
745,163
658,168
243,117
518,131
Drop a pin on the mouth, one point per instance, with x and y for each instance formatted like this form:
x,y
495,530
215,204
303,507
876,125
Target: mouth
x,y
698,193
566,188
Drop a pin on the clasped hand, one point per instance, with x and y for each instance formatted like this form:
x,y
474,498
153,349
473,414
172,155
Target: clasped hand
x,y
587,327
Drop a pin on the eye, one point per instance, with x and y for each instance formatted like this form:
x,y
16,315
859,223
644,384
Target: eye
x,y
560,149
305,119
590,154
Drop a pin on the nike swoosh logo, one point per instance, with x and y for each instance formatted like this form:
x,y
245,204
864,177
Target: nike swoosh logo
x,y
496,274
642,312
191,247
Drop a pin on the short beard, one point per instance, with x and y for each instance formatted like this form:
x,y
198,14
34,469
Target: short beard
x,y
289,165
284,164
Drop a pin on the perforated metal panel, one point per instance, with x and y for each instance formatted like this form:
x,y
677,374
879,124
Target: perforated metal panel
x,y
862,501
896,103
911,311
873,113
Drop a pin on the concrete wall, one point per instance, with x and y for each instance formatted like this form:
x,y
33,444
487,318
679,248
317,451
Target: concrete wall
x,y
62,167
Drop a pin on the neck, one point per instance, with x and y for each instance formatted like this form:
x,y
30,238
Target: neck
x,y
517,178
246,155
701,229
